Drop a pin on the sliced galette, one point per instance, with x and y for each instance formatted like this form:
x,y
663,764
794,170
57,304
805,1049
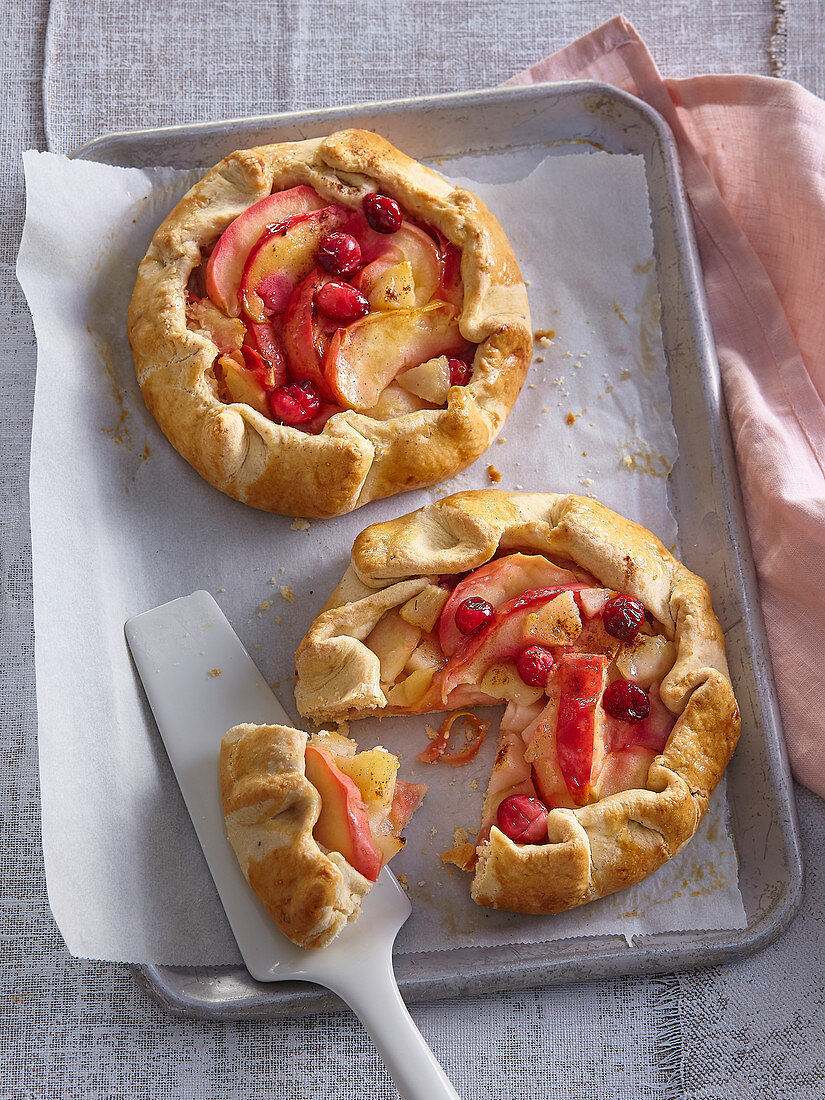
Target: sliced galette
x,y
312,821
620,717
311,311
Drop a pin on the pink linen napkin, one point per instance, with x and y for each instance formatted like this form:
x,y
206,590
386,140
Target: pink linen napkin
x,y
752,152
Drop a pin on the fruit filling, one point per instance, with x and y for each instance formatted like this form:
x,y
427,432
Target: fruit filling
x,y
578,666
364,806
358,307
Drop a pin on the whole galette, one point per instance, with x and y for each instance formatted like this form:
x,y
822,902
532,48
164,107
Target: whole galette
x,y
312,821
322,323
620,716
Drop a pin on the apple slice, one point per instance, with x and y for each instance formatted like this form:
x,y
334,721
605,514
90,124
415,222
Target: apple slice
x,y
306,338
243,386
430,380
408,244
283,255
394,402
497,582
367,355
266,340
579,749
224,269
343,824
393,641
389,286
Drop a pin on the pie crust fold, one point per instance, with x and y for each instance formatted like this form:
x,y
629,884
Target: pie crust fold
x,y
594,849
355,458
270,808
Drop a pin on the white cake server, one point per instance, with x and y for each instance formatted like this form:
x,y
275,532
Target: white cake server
x,y
200,681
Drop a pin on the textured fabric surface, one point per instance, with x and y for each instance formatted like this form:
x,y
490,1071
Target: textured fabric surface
x,y
70,1028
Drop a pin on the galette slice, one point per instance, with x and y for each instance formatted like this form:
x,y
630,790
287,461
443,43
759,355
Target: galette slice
x,y
619,716
312,822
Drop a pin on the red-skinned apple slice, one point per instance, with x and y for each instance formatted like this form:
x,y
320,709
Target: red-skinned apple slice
x,y
367,355
342,825
497,582
581,679
282,257
306,336
224,269
266,340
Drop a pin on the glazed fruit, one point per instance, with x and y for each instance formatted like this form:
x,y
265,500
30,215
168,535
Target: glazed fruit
x,y
626,701
623,616
473,614
382,213
534,664
523,819
339,254
341,302
294,404
460,372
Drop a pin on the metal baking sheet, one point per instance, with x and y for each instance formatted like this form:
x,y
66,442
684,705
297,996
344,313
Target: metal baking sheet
x,y
705,498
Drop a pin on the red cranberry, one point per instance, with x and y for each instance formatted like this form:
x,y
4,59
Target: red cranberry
x,y
341,302
523,819
626,701
460,372
534,664
382,213
473,615
295,403
623,616
339,253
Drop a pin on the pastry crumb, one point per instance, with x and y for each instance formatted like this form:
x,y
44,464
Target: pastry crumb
x,y
221,589
432,832
571,419
422,883
501,439
265,605
403,881
474,785
531,386
278,619
539,359
287,593
624,376
627,461
493,474
544,336
587,482
215,671
299,525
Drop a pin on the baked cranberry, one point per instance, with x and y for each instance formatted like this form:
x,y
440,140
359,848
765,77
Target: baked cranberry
x,y
523,819
341,302
473,615
460,372
626,701
382,213
339,253
534,664
623,616
295,403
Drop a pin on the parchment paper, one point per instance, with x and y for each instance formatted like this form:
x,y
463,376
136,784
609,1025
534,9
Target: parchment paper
x,y
121,523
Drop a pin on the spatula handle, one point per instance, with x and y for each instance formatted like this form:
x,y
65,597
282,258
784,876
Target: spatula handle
x,y
376,1001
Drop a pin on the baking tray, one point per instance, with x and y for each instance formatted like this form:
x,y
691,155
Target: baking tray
x,y
705,497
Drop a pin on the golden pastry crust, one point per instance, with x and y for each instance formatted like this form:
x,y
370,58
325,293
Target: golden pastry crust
x,y
270,809
355,458
595,849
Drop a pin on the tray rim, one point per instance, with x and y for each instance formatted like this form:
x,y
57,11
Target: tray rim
x,y
652,953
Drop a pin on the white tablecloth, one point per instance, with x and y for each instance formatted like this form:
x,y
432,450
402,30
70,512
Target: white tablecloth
x,y
78,1029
